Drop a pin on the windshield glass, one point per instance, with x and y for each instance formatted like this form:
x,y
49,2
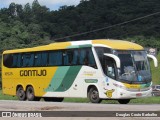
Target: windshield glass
x,y
134,66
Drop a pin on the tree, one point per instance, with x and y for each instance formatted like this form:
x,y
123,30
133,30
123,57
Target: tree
x,y
35,24
27,8
35,6
13,9
27,14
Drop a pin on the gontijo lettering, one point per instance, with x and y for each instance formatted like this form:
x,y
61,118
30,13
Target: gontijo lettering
x,y
33,72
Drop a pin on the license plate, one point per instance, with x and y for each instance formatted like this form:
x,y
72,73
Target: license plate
x,y
139,94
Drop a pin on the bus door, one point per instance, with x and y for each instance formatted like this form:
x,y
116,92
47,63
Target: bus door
x,y
109,69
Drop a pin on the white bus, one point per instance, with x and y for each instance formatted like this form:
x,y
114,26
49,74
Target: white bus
x,y
97,69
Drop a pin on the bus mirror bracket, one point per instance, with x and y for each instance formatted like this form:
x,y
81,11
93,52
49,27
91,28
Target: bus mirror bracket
x,y
154,59
118,63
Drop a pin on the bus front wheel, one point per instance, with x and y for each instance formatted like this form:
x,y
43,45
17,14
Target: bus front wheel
x,y
21,93
31,95
93,95
124,101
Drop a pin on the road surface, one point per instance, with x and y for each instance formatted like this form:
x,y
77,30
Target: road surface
x,y
18,106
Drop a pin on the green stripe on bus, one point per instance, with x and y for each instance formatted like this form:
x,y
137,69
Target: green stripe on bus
x,y
57,78
63,78
80,46
87,45
69,78
73,46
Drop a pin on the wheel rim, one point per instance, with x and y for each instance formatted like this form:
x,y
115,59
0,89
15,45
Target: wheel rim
x,y
21,93
30,93
94,95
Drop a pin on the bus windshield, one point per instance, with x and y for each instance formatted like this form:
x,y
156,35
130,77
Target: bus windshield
x,y
134,67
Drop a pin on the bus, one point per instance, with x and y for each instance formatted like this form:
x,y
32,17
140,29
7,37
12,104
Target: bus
x,y
96,69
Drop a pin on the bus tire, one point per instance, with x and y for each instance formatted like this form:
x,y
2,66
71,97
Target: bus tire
x,y
93,95
124,101
20,93
31,95
53,99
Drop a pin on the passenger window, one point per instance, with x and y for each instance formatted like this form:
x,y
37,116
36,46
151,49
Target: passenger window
x,y
40,59
55,58
67,57
76,56
8,60
28,59
91,59
82,57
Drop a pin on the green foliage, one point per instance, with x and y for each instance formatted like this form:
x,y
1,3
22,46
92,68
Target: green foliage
x,y
155,72
6,97
35,24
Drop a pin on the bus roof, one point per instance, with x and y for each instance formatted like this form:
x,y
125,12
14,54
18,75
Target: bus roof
x,y
113,44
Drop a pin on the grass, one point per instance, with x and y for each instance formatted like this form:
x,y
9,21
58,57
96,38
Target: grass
x,y
155,71
6,97
149,100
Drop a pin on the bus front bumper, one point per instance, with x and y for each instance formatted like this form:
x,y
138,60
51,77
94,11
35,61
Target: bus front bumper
x,y
121,93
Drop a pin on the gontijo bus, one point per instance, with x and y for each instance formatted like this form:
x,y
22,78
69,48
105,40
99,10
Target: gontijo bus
x,y
97,69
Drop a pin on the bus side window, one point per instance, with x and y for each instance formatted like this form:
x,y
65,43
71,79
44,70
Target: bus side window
x,y
82,57
15,58
37,59
51,58
19,60
28,59
68,57
40,59
75,57
55,58
44,59
8,60
91,60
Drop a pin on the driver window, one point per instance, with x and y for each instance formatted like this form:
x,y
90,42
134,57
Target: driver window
x,y
110,67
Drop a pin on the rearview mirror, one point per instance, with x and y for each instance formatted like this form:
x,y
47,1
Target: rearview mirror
x,y
118,63
154,59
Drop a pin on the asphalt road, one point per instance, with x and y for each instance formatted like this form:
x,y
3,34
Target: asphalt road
x,y
89,108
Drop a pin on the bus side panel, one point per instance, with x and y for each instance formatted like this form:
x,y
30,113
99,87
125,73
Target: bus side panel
x,y
35,77
8,87
74,81
86,77
62,81
8,82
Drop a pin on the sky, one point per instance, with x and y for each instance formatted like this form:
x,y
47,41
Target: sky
x,y
52,4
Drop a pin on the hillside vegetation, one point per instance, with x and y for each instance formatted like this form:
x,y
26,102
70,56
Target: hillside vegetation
x,y
156,71
35,24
